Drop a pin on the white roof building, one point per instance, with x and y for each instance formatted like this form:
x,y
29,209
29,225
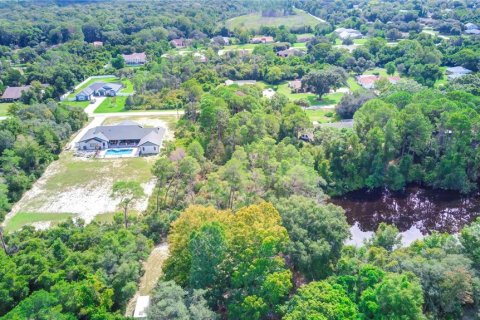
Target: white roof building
x,y
143,302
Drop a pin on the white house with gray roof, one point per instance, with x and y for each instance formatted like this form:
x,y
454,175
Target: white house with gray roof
x,y
99,89
127,134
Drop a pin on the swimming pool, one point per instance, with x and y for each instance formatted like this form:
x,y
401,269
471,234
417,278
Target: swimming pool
x,y
119,152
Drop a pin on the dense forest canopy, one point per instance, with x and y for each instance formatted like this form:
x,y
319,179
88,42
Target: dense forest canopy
x,y
241,195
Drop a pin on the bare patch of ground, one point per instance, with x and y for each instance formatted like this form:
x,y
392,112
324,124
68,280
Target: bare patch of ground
x,y
153,271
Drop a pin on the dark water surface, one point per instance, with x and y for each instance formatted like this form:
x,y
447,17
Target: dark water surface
x,y
416,212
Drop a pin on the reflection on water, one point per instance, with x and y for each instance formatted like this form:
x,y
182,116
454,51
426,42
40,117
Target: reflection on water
x,y
416,212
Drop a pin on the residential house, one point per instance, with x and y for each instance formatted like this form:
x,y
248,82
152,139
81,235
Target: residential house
x,y
240,82
14,93
97,44
268,93
456,72
368,80
344,33
472,31
262,39
304,38
127,134
135,59
99,89
180,43
291,52
200,57
471,26
296,86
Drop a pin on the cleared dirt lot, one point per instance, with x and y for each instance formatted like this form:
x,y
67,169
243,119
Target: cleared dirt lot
x,y
79,187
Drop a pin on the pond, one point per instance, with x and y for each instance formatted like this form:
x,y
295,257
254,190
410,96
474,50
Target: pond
x,y
415,212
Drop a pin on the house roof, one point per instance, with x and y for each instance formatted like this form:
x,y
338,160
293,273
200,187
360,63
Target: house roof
x,y
263,39
295,84
458,70
368,80
470,25
155,137
125,131
98,85
14,92
135,56
472,31
240,82
290,52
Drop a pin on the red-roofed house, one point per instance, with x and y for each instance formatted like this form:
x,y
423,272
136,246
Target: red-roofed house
x,y
135,58
368,80
180,43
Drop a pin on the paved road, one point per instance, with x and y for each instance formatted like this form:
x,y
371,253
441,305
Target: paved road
x,y
317,18
137,113
91,107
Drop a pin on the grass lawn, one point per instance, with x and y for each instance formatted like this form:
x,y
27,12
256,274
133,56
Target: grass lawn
x,y
380,71
300,45
323,115
243,46
255,20
4,108
112,104
328,99
443,81
360,41
353,84
23,218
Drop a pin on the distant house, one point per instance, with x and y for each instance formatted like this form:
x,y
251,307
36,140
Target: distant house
x,y
127,134
99,89
200,57
14,93
291,52
268,93
224,41
97,44
296,86
471,26
143,302
344,33
368,80
304,38
472,31
240,82
456,72
262,39
135,58
180,43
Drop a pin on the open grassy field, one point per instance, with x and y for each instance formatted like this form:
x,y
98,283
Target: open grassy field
x,y
4,108
23,218
254,21
328,99
112,104
353,84
323,115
